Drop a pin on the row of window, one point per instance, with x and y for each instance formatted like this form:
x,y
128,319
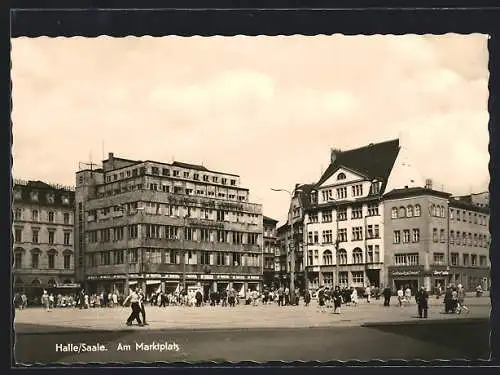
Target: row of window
x,y
356,191
371,232
461,238
35,260
153,208
36,216
372,256
156,231
357,279
35,237
408,211
164,256
413,236
167,172
356,213
472,217
35,197
412,259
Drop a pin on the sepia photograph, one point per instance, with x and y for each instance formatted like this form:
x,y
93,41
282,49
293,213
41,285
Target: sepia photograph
x,y
250,198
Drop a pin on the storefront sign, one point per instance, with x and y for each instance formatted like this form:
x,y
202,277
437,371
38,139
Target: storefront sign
x,y
223,276
254,277
191,276
153,275
207,277
440,273
106,277
405,273
170,276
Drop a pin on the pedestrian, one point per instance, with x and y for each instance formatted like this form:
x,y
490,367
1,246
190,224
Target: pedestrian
x,y
422,298
354,296
401,296
199,298
368,293
321,299
387,292
134,300
114,297
461,299
337,300
307,297
142,303
287,296
408,295
281,296
448,301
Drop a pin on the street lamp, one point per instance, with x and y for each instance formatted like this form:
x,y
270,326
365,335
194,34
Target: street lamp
x,y
127,255
292,248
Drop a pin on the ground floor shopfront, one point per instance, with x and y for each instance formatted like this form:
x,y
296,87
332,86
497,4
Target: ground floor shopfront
x,y
172,283
438,276
33,284
358,275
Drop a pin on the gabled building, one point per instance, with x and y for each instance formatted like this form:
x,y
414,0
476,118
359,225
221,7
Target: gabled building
x,y
344,224
270,246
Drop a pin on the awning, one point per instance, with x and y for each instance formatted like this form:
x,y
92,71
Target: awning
x,y
132,282
153,282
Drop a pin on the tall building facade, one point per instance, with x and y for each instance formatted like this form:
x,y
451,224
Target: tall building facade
x,y
43,251
344,224
434,239
167,226
269,250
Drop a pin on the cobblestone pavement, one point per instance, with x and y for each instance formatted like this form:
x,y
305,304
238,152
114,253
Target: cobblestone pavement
x,y
245,317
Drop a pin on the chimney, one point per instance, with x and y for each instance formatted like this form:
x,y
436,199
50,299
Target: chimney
x,y
428,184
333,154
110,155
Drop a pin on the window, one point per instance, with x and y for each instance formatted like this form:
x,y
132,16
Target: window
x,y
51,237
34,196
396,239
435,235
452,214
52,260
441,235
464,239
67,236
357,190
433,210
51,217
406,236
473,260
327,236
417,210
18,260
343,278
410,259
34,215
155,170
357,213
233,182
358,277
35,236
439,259
373,231
442,211
313,217
66,218
394,213
215,179
357,256
326,216
342,235
341,193
452,236
165,172
316,237
357,233
342,255
341,176
309,237
483,260
342,214
35,257
454,259
475,240
416,235
409,211
18,235
18,213
373,209
465,258
327,257
402,211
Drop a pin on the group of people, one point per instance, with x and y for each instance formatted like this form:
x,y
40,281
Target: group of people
x,y
454,300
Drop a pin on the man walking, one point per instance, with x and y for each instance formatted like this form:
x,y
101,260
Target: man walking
x,y
422,298
142,303
133,298
387,296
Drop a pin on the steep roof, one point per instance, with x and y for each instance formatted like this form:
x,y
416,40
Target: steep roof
x,y
44,190
375,161
269,220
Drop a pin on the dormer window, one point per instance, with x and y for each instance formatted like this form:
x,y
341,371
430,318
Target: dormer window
x,y
50,198
65,199
341,176
34,196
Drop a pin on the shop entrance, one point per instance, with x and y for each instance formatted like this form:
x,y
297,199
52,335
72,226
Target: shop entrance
x,y
373,277
413,284
206,292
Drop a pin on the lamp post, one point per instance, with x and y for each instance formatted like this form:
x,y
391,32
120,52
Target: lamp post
x,y
292,244
127,251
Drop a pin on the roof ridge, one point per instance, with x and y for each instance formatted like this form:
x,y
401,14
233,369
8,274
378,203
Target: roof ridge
x,y
371,144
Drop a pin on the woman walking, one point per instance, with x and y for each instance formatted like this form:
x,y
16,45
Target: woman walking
x,y
337,300
134,300
461,300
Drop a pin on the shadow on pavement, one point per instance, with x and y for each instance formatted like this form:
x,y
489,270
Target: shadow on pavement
x,y
474,345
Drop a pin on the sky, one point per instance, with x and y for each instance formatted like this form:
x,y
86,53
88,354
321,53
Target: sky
x,y
266,108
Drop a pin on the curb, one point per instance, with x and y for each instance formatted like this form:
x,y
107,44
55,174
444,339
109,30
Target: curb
x,y
424,322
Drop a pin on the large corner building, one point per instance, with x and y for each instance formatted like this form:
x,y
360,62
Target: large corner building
x,y
167,226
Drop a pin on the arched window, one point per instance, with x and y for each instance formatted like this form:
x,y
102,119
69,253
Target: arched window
x,y
327,257
409,211
394,213
402,211
342,255
52,282
52,258
341,176
442,211
36,282
357,256
417,210
35,258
